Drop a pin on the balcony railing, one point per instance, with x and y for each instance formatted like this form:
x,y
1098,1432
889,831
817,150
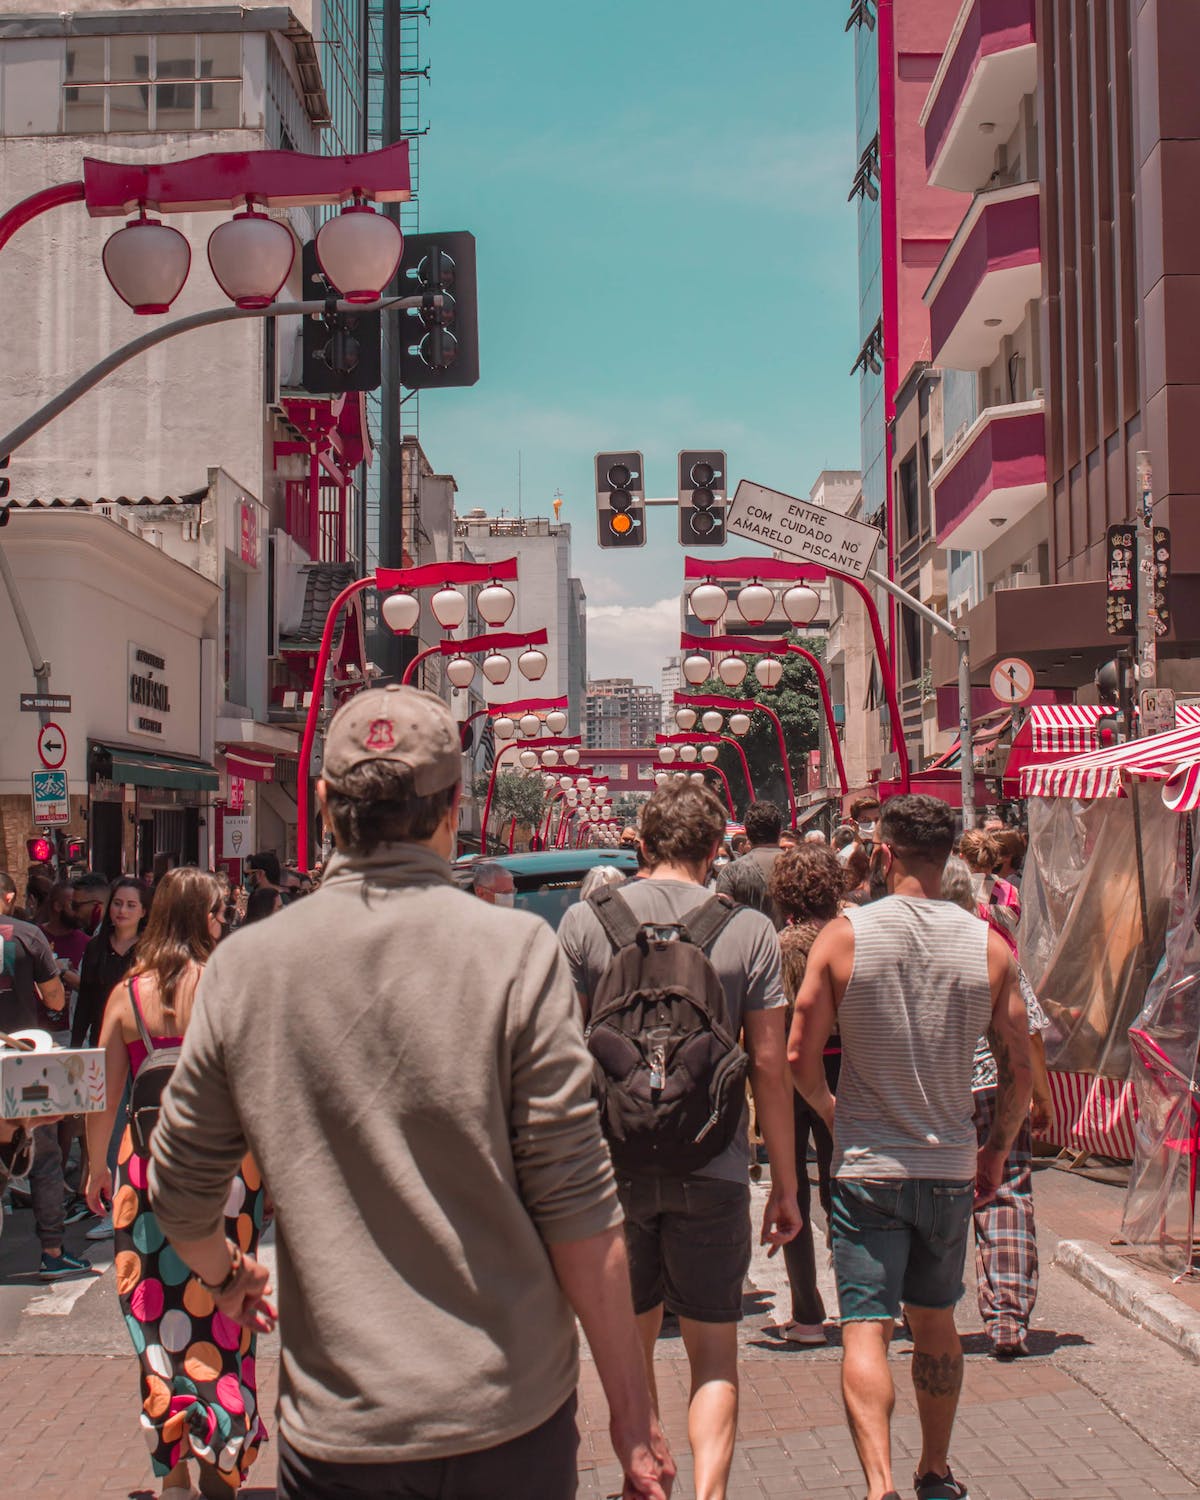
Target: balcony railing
x,y
989,65
993,478
319,529
987,278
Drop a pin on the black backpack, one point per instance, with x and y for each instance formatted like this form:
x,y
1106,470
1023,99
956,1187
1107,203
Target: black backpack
x,y
149,1082
668,1073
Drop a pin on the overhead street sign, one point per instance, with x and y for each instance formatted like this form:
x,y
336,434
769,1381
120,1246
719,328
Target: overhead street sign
x,y
801,531
49,703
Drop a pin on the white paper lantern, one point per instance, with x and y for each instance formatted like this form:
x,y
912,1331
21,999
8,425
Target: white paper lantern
x,y
581,782
698,776
503,728
147,264
660,777
449,608
496,667
739,723
686,719
549,757
800,603
667,753
712,721
251,256
769,671
571,757
708,602
461,671
696,669
401,612
495,603
566,783
731,670
529,759
755,602
556,721
688,753
359,250
530,725
709,753
532,664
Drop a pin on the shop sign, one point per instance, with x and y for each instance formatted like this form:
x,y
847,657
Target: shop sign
x,y
237,793
51,805
1121,579
235,837
149,691
248,533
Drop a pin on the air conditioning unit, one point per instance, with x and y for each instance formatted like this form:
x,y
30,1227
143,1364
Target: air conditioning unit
x,y
153,535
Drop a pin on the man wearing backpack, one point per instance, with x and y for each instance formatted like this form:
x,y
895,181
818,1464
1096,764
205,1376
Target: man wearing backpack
x,y
687,1220
747,877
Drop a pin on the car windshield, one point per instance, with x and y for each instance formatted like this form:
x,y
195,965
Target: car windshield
x,y
550,897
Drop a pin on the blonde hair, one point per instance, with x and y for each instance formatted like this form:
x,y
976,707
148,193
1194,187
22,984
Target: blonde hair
x,y
980,849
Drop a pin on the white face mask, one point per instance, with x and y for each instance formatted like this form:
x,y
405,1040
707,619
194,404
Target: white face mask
x,y
866,830
504,898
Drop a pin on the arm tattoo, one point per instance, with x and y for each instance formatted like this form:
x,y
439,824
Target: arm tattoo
x,y
937,1374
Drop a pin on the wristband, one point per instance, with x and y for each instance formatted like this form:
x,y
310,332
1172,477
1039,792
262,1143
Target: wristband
x,y
235,1270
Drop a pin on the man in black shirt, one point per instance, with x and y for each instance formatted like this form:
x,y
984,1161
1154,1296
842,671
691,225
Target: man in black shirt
x,y
27,968
746,878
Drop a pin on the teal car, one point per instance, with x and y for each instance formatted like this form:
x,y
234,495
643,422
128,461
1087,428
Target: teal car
x,y
548,882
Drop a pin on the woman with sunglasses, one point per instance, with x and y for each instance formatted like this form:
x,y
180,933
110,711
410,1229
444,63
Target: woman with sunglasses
x,y
199,1399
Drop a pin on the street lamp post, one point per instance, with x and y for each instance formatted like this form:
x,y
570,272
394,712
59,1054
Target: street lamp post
x,y
556,742
740,705
476,645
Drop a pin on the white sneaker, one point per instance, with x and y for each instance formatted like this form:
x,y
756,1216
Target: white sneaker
x,y
104,1231
810,1334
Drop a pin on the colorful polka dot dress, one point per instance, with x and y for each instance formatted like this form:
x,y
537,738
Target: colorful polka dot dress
x,y
199,1395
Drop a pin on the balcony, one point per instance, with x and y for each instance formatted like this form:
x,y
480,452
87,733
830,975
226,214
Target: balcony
x,y
988,276
989,65
994,476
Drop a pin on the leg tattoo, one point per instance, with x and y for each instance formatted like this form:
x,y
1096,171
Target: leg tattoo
x,y
937,1374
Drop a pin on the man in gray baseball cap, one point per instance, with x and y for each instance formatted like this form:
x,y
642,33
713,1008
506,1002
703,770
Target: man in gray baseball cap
x,y
406,1066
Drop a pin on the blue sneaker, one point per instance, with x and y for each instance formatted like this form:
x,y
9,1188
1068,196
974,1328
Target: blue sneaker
x,y
56,1267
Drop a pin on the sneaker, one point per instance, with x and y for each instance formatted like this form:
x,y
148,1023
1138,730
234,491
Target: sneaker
x,y
933,1486
809,1334
55,1267
102,1229
1008,1352
77,1211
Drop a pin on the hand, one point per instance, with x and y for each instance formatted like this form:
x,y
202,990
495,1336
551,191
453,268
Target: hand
x,y
989,1173
646,1460
1041,1113
99,1190
246,1300
782,1220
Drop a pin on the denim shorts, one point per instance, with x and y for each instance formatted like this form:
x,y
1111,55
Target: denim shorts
x,y
900,1241
689,1245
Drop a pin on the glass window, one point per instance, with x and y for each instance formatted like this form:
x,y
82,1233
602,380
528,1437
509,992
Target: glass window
x,y
128,108
221,56
176,57
85,59
220,105
128,58
83,111
176,106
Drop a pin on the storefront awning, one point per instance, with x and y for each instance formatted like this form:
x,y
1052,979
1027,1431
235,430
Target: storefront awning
x,y
141,768
250,765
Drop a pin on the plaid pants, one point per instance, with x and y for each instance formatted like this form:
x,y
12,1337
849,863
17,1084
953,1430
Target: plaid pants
x,y
1006,1257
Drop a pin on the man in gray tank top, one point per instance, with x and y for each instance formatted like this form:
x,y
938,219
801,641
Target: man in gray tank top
x,y
911,982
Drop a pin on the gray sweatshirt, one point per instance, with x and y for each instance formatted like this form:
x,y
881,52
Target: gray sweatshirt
x,y
407,1066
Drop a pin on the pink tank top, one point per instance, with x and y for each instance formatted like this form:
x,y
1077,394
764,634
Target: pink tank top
x,y
137,1049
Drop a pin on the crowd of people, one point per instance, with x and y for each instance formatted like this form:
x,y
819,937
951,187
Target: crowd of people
x,y
515,1130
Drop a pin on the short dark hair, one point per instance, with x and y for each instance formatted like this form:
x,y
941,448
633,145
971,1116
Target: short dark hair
x,y
763,823
918,828
267,864
8,886
93,881
861,803
807,883
681,824
375,804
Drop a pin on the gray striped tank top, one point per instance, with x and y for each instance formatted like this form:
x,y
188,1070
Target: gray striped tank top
x,y
917,1002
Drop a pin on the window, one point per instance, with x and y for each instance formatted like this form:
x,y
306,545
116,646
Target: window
x,y
127,83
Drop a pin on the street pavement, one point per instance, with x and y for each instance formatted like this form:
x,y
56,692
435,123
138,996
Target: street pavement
x,y
1102,1409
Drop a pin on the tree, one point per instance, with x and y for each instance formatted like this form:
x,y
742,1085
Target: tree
x,y
516,796
797,702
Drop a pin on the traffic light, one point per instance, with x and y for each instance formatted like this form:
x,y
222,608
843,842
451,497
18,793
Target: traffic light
x,y
702,498
71,850
439,346
341,350
40,851
620,500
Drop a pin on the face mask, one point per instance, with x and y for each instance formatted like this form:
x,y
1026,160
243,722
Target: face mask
x,y
866,830
504,898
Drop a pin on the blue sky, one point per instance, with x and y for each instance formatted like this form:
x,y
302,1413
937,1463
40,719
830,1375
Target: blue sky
x,y
666,261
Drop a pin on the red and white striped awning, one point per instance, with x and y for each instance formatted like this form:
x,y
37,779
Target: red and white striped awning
x,y
250,765
1052,732
1157,757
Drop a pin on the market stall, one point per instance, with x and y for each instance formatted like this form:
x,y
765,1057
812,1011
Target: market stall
x,y
1054,732
1096,898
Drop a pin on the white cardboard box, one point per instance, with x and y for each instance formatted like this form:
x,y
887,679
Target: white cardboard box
x,y
66,1081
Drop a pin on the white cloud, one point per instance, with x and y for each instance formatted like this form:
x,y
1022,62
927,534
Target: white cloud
x,y
633,640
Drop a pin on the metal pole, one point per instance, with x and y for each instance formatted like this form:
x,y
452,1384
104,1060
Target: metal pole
x,y
41,667
1146,662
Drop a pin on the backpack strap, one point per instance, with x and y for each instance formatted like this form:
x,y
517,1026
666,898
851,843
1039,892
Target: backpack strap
x,y
616,916
139,1019
707,922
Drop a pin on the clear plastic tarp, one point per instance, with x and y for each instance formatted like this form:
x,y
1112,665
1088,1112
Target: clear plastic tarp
x,y
1081,923
1160,1203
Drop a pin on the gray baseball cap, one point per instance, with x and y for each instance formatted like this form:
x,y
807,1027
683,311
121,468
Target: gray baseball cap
x,y
402,725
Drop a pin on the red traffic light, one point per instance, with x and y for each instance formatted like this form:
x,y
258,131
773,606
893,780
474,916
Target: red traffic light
x,y
40,851
72,850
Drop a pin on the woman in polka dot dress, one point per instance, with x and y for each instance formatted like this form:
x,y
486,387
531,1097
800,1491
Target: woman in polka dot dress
x,y
199,1397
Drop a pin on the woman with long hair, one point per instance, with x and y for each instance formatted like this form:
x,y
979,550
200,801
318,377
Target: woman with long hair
x,y
199,1398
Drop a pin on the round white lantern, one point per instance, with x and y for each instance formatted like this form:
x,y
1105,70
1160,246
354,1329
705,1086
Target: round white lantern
x,y
660,777
800,603
529,759
461,671
147,264
565,783
530,725
496,667
709,753
731,670
449,608
571,757
251,256
581,782
549,757
401,612
667,753
532,663
688,753
696,669
769,671
503,728
739,723
708,602
359,251
755,602
556,721
495,603
712,721
686,719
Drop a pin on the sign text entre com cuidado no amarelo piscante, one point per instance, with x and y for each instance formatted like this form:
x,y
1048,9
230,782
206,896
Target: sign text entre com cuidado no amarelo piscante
x,y
801,530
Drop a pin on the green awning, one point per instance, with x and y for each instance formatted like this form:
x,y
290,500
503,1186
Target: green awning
x,y
135,768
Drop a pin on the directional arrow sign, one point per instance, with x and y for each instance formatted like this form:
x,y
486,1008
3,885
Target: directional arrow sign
x,y
52,746
800,530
